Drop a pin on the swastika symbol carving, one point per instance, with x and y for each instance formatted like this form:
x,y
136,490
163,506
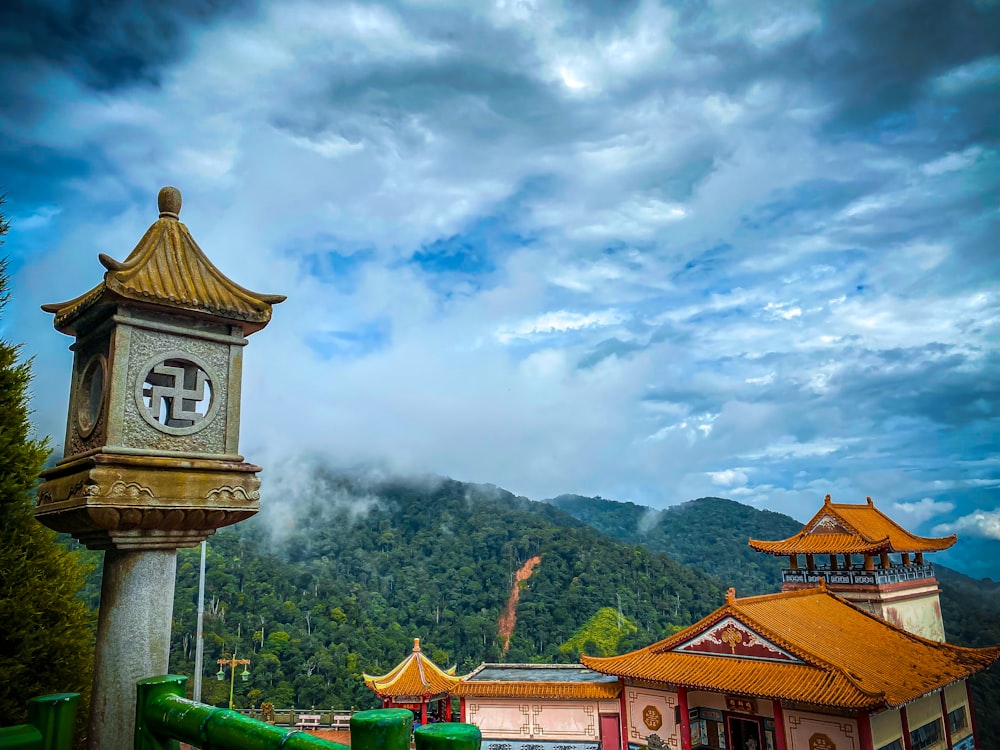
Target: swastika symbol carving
x,y
176,395
168,386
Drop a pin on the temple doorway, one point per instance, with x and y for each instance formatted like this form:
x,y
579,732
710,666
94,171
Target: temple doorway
x,y
744,734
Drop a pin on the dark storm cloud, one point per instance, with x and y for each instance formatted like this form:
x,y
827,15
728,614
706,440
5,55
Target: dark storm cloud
x,y
107,43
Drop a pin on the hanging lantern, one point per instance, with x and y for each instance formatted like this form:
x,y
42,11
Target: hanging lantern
x,y
220,675
246,674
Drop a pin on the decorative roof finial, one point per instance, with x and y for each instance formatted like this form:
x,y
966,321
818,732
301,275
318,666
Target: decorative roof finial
x,y
416,645
826,500
731,595
822,583
169,201
869,500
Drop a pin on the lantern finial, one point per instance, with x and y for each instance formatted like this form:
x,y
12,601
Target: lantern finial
x,y
169,201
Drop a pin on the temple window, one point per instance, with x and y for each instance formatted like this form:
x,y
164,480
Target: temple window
x,y
896,744
958,720
926,736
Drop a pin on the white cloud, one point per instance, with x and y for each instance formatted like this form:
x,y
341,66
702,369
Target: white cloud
x,y
913,514
981,523
557,321
729,477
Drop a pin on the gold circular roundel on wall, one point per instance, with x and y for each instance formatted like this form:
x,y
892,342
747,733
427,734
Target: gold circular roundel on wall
x,y
652,717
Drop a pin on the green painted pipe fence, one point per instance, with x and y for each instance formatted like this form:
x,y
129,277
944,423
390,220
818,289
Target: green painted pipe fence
x,y
163,716
49,727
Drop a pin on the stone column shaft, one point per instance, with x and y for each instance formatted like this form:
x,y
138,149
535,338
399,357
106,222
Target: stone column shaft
x,y
133,639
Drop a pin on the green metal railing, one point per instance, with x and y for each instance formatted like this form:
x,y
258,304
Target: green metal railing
x,y
163,716
49,727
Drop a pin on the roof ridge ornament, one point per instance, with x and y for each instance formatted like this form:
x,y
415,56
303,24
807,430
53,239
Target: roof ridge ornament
x,y
870,503
827,500
169,201
416,645
731,595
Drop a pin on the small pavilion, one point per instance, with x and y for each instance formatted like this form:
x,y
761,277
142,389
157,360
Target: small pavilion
x,y
868,559
418,684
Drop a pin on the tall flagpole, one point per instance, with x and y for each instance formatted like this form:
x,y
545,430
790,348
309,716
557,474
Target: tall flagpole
x,y
199,649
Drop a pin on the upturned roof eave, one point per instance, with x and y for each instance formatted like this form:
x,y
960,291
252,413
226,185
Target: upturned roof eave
x,y
168,270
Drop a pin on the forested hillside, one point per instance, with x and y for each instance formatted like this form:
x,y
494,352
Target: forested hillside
x,y
347,585
712,534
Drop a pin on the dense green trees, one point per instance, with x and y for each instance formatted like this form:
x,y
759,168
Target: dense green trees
x,y
710,533
345,591
46,643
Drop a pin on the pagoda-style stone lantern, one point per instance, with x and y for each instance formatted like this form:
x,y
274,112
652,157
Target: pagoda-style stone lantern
x,y
151,458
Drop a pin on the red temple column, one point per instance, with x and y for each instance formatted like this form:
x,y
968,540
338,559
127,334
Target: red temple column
x,y
972,714
461,711
944,720
624,714
682,703
865,731
779,727
423,712
905,722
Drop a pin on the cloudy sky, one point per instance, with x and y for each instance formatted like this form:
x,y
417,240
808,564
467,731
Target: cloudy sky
x,y
648,251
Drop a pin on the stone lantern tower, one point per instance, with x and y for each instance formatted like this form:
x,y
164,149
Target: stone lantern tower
x,y
151,458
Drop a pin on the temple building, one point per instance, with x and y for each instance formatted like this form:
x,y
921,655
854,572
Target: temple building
x,y
558,705
418,684
868,559
799,670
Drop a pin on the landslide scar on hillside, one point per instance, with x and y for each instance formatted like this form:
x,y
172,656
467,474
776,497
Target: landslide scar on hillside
x,y
508,618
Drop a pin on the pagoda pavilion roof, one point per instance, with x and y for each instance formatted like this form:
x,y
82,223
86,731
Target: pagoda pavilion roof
x,y
808,646
842,528
168,269
544,681
414,677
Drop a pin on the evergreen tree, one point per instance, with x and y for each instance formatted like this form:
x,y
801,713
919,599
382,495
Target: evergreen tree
x,y
46,641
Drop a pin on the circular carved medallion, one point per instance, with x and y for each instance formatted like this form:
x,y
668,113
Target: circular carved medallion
x,y
90,395
176,393
652,717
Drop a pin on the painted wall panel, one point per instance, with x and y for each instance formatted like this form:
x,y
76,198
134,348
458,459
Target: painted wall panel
x,y
805,731
535,720
651,712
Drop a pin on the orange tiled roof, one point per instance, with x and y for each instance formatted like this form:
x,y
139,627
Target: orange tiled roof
x,y
841,528
557,690
547,681
415,676
168,268
808,646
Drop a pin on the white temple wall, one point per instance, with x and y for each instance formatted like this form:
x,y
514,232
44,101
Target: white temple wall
x,y
539,720
808,731
887,727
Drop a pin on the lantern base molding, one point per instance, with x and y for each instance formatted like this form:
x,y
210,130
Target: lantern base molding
x,y
122,501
